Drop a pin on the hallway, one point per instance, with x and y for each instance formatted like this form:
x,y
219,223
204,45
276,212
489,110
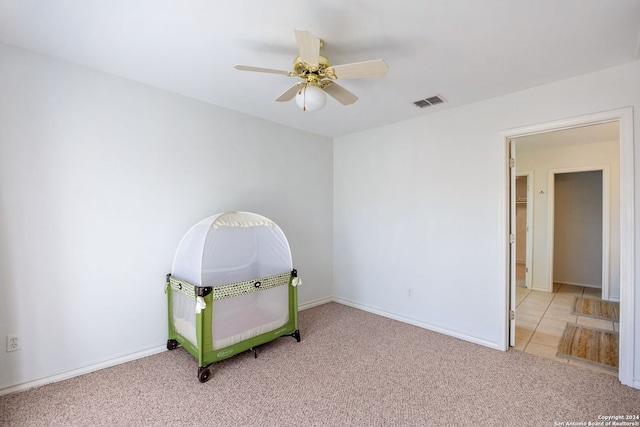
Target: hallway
x,y
541,318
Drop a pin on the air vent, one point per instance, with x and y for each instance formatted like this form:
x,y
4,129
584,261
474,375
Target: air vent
x,y
428,102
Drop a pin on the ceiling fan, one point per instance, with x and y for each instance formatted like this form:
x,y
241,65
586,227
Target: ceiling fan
x,y
318,75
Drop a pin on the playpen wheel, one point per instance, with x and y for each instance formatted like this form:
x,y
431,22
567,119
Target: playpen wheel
x,y
204,374
172,344
296,335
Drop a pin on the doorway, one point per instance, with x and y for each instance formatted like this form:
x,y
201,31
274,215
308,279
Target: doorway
x,y
524,228
623,217
579,230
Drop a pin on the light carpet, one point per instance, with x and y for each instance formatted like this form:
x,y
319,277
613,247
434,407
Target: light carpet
x,y
351,368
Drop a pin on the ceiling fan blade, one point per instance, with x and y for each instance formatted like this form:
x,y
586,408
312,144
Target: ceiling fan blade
x,y
308,46
262,70
375,68
288,94
341,95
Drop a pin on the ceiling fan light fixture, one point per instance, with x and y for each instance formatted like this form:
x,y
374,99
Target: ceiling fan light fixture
x,y
319,75
311,98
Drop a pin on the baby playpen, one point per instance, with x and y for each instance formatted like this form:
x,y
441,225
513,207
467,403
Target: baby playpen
x,y
232,287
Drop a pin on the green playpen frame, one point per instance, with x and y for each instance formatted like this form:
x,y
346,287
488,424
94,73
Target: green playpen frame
x,y
203,350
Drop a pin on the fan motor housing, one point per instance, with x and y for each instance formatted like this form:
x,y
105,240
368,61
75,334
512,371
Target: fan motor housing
x,y
302,68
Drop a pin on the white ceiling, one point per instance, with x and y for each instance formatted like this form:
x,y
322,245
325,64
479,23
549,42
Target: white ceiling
x,y
463,50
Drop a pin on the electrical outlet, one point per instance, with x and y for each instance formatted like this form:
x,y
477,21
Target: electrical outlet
x,y
13,343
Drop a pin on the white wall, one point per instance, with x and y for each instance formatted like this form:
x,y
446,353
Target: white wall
x,y
421,204
541,161
99,179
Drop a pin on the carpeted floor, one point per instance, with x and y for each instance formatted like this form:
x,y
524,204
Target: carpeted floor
x,y
352,368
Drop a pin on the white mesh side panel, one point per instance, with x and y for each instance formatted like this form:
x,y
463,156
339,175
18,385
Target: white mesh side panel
x,y
240,318
184,316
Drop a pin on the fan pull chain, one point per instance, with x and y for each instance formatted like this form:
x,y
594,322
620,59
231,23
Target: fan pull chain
x,y
304,97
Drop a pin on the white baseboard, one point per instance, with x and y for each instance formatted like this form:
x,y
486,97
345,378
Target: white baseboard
x,y
584,285
403,319
420,324
64,375
315,303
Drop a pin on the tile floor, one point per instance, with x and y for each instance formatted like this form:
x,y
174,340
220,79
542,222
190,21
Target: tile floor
x,y
542,316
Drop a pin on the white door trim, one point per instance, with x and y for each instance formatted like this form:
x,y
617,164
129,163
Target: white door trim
x,y
529,244
627,227
512,244
605,221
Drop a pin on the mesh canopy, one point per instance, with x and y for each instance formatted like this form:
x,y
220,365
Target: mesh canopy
x,y
222,250
231,247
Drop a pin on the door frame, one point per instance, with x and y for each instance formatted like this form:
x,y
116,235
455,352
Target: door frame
x,y
529,232
551,218
624,117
